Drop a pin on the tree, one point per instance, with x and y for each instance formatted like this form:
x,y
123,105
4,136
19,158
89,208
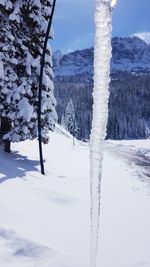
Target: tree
x,y
22,46
69,120
8,76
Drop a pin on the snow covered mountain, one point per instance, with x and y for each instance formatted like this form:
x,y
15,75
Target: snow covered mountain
x,y
130,79
80,61
129,54
45,220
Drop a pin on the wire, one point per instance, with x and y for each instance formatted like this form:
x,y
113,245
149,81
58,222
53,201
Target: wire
x,y
40,88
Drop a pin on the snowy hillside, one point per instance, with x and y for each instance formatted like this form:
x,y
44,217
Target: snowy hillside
x,y
45,220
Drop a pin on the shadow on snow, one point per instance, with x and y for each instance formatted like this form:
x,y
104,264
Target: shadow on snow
x,y
20,247
14,165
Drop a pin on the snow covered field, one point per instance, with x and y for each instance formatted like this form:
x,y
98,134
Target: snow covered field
x,y
45,220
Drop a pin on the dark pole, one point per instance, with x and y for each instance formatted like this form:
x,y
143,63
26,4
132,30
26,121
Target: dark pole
x,y
40,87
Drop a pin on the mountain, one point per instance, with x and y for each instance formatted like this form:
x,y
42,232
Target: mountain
x,y
129,115
57,56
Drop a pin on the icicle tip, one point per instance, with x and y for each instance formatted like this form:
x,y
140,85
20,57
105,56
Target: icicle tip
x,y
113,3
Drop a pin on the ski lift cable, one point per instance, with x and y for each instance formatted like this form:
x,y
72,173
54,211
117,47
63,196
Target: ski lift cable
x,y
40,87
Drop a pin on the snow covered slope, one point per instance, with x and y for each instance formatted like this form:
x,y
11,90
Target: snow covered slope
x,y
45,220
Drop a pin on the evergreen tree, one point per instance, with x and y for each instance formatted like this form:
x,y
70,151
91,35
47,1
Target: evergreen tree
x,y
69,120
21,43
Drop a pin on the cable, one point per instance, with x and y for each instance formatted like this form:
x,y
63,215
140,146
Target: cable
x,y
40,88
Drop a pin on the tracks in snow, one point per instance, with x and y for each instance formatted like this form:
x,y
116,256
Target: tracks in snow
x,y
138,159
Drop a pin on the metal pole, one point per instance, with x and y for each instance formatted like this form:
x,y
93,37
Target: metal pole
x,y
40,87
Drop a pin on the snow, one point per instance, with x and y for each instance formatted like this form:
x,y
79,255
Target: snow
x,y
1,71
45,221
25,109
43,207
7,3
124,223
144,36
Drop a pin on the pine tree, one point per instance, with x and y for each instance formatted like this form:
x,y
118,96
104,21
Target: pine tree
x,y
69,120
8,75
22,46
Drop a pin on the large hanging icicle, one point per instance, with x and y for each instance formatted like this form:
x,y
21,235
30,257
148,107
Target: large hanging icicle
x,y
102,57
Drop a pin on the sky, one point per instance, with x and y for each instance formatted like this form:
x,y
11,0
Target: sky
x,y
74,22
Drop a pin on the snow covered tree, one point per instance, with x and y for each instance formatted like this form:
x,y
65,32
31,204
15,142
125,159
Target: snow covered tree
x,y
8,76
24,24
69,120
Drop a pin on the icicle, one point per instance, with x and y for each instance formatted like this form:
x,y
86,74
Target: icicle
x,y
102,57
113,3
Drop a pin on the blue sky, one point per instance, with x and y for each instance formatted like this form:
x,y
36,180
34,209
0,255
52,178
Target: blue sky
x,y
74,22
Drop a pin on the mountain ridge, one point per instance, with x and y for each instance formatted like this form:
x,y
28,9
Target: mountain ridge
x,y
128,54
